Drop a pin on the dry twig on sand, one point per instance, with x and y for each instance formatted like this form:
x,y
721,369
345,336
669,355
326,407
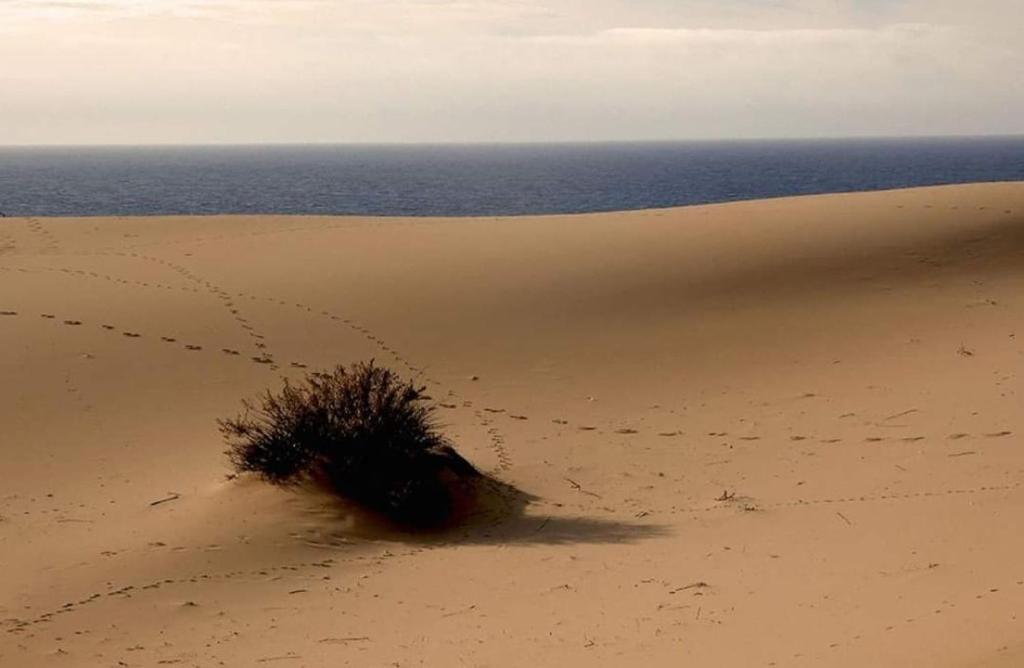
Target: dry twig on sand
x,y
174,496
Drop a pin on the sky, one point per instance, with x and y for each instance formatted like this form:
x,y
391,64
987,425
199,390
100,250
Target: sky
x,y
245,71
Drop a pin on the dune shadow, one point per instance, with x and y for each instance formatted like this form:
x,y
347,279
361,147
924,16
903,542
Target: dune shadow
x,y
996,245
487,511
829,267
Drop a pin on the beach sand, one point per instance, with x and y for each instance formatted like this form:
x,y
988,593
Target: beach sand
x,y
773,433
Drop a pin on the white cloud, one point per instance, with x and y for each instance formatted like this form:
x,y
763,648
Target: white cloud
x,y
380,70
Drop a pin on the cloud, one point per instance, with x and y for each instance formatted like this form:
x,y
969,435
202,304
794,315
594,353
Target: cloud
x,y
802,37
390,70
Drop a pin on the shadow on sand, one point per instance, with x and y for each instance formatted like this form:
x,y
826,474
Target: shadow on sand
x,y
487,511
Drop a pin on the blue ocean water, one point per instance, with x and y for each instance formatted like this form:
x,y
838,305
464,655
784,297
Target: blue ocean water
x,y
451,180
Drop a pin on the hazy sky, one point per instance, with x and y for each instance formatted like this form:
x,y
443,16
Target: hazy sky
x,y
196,71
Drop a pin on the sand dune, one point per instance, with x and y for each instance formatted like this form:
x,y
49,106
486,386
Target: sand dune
x,y
784,433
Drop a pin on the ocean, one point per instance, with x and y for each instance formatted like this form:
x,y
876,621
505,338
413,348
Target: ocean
x,y
478,180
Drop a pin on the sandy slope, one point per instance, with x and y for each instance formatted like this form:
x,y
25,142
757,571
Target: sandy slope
x,y
769,433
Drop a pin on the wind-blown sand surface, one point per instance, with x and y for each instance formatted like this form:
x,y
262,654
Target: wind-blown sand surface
x,y
785,433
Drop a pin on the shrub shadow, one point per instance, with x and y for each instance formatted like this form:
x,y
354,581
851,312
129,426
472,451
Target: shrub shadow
x,y
487,511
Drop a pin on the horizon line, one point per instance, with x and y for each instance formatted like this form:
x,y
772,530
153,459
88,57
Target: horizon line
x,y
551,142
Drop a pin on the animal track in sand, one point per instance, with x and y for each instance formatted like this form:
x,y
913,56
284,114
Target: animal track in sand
x,y
865,498
43,236
496,441
265,358
348,323
76,394
81,273
128,591
7,244
231,306
191,347
942,607
201,285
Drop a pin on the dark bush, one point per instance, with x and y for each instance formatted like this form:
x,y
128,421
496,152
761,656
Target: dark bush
x,y
361,430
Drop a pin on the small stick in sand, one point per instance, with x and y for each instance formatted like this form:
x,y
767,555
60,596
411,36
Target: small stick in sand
x,y
578,487
896,415
695,585
174,496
